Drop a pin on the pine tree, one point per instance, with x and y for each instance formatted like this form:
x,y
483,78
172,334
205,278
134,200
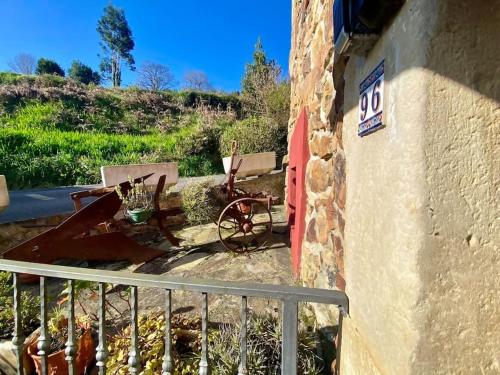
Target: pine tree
x,y
116,43
262,76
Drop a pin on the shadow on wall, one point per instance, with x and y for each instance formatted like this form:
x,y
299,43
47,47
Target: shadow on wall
x,y
463,46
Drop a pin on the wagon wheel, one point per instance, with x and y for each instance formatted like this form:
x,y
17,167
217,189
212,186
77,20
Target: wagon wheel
x,y
245,225
238,194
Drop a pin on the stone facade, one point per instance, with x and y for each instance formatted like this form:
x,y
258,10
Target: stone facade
x,y
314,87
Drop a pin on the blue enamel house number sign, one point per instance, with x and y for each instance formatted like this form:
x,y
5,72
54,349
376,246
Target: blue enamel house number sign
x,y
371,101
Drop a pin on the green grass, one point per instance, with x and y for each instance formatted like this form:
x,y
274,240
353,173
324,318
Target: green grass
x,y
39,157
55,132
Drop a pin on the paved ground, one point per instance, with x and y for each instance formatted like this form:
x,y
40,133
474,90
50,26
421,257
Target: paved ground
x,y
200,256
39,203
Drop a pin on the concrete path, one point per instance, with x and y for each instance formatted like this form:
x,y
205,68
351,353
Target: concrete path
x,y
38,203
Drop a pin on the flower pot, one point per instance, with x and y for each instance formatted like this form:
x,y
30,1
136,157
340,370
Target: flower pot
x,y
84,356
139,215
4,194
252,164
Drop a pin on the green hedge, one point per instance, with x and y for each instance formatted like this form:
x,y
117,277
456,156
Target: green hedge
x,y
255,135
213,100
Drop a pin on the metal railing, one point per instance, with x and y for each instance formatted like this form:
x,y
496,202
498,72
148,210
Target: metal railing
x,y
288,295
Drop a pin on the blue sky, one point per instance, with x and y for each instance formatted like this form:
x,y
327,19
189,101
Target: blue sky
x,y
215,36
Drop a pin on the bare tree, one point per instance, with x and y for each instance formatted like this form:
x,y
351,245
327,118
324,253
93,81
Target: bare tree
x,y
155,77
197,80
23,63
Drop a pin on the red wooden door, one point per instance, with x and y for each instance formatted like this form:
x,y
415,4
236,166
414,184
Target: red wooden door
x,y
297,197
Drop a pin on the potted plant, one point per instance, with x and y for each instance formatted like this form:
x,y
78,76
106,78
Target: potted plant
x,y
58,332
138,202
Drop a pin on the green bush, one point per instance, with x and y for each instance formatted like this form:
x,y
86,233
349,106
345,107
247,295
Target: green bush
x,y
83,73
47,66
255,134
29,309
278,103
223,102
263,347
198,203
8,78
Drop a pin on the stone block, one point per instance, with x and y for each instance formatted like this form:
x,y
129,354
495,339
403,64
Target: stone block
x,y
322,144
319,175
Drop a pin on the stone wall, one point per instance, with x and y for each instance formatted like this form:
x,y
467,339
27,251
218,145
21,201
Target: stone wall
x,y
314,88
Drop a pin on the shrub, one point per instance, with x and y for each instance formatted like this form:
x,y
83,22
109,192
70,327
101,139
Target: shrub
x,y
263,347
278,103
198,203
8,78
49,80
186,340
83,73
47,66
29,309
192,99
256,134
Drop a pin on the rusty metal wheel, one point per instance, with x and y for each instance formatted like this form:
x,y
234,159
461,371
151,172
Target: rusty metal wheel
x,y
245,225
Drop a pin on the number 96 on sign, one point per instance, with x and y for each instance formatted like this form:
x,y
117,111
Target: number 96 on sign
x,y
371,101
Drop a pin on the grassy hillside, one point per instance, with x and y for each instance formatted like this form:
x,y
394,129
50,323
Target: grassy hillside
x,y
56,132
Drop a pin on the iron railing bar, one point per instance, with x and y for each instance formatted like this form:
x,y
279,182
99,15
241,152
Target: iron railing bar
x,y
133,358
18,339
289,338
204,366
43,339
101,350
298,294
70,350
168,365
242,368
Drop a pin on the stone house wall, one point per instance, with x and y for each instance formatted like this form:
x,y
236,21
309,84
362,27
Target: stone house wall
x,y
314,88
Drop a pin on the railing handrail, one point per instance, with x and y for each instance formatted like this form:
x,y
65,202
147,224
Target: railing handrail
x,y
280,292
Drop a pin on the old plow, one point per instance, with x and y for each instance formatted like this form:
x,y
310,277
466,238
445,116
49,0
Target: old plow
x,y
86,234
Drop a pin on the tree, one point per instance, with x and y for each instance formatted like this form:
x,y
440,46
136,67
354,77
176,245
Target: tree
x,y
155,77
23,63
46,66
116,44
83,73
262,88
197,80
